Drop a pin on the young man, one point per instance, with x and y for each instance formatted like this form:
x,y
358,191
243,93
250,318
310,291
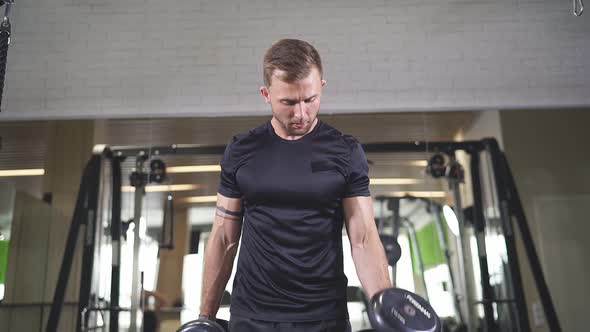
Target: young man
x,y
293,180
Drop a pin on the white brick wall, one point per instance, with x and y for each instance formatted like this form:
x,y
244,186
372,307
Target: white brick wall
x,y
133,58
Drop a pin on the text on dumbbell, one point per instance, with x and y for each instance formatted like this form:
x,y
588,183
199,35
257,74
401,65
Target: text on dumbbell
x,y
418,305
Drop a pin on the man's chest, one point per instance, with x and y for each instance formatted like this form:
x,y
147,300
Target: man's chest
x,y
292,177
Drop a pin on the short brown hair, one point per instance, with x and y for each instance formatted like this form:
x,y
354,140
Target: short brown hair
x,y
295,57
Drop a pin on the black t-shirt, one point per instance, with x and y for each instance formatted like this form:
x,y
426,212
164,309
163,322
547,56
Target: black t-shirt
x,y
290,266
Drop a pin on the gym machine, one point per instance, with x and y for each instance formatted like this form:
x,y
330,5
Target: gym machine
x,y
510,211
86,219
398,221
508,203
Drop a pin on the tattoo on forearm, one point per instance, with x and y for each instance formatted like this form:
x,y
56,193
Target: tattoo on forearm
x,y
227,214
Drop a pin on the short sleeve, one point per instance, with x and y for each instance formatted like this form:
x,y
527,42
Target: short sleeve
x,y
228,185
358,172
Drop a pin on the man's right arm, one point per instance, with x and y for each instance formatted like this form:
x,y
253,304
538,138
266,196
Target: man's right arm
x,y
221,250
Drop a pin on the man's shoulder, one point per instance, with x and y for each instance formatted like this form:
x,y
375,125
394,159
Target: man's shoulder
x,y
330,132
251,135
243,144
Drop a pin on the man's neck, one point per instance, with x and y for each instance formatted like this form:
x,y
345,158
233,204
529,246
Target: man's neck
x,y
282,133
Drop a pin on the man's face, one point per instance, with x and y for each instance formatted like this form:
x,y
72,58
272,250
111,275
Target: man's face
x,y
294,106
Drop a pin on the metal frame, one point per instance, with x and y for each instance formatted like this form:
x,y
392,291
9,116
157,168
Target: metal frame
x,y
479,227
84,214
466,287
417,254
517,211
116,228
90,242
436,209
5,32
186,149
135,278
504,205
509,205
446,252
168,215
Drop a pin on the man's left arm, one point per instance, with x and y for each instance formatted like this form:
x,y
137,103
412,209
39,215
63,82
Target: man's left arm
x,y
367,250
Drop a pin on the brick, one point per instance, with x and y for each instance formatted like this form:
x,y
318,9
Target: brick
x,y
128,58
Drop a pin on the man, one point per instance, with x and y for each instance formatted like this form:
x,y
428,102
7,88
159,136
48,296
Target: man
x,y
293,181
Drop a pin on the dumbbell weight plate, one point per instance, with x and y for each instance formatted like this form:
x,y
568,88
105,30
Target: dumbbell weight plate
x,y
399,310
201,325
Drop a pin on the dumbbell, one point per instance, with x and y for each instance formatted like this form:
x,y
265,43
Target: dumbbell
x,y
399,310
390,310
205,325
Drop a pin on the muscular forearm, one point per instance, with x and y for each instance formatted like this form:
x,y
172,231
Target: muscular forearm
x,y
371,265
219,258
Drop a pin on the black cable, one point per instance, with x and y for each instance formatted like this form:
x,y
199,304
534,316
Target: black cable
x,y
4,42
116,243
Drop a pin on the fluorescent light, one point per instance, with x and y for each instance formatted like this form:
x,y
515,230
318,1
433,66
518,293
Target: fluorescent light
x,y
419,163
193,169
393,181
163,188
22,172
200,199
451,219
99,148
436,194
